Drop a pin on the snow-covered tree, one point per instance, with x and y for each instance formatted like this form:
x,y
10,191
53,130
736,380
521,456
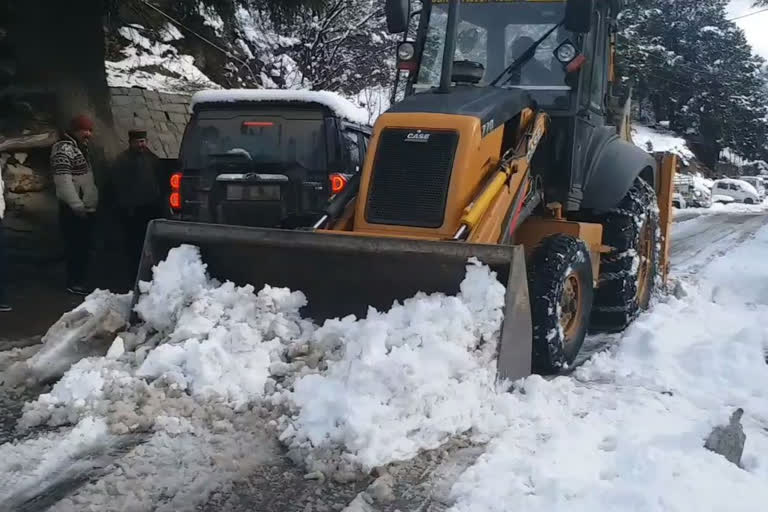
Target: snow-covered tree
x,y
693,68
344,45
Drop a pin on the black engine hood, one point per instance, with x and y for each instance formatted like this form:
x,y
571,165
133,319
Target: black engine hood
x,y
485,103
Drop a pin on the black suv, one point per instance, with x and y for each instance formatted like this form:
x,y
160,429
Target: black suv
x,y
261,163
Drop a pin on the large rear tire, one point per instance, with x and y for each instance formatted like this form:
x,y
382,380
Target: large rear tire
x,y
561,289
629,273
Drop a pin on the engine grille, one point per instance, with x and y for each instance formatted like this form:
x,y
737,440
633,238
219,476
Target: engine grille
x,y
411,175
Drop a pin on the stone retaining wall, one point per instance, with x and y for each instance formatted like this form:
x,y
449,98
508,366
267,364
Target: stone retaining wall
x,y
163,115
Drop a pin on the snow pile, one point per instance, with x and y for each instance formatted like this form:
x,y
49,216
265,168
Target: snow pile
x,y
155,65
401,381
219,372
654,141
30,467
627,432
336,103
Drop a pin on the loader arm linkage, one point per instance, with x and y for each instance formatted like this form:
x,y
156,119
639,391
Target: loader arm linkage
x,y
513,172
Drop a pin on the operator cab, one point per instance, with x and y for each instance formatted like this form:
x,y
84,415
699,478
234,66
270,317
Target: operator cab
x,y
492,35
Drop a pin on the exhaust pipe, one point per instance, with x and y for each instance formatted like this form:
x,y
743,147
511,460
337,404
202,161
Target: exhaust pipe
x,y
451,31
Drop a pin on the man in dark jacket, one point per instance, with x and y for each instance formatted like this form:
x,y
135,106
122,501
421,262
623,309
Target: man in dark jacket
x,y
135,192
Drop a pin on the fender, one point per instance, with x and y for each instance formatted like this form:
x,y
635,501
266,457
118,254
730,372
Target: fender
x,y
614,166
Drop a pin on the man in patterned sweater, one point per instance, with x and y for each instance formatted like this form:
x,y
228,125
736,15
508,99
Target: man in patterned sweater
x,y
78,199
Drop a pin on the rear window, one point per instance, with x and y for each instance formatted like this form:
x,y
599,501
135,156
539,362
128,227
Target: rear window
x,y
256,138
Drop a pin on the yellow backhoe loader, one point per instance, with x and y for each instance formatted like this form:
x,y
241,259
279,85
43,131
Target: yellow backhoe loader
x,y
504,148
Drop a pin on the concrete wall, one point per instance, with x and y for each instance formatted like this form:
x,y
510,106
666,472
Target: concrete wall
x,y
164,116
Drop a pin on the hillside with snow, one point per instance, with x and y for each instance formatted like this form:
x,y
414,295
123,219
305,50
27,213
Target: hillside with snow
x,y
172,49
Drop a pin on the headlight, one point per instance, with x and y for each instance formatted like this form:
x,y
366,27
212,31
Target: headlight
x,y
406,51
565,53
697,193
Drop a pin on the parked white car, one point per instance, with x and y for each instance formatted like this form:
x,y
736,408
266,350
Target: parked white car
x,y
758,183
739,190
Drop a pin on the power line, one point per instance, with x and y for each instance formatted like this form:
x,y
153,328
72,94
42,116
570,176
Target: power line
x,y
747,15
201,37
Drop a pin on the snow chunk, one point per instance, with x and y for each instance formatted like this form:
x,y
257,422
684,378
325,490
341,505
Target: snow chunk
x,y
87,330
176,280
338,104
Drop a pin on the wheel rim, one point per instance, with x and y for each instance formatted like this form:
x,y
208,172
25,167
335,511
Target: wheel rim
x,y
570,307
646,260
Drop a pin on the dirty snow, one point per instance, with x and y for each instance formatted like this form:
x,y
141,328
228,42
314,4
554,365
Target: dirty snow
x,y
338,104
29,467
85,331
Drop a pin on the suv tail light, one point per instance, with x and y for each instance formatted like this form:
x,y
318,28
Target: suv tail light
x,y
338,182
175,198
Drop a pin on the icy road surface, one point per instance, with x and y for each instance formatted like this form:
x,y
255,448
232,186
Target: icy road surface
x,y
205,413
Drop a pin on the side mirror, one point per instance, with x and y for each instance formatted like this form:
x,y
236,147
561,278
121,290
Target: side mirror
x,y
578,15
397,15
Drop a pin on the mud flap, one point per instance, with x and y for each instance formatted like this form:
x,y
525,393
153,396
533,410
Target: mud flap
x,y
344,274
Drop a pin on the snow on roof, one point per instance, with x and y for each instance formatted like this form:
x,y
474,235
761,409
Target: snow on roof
x,y
338,104
655,141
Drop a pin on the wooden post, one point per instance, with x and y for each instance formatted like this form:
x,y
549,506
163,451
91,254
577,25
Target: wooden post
x,y
664,191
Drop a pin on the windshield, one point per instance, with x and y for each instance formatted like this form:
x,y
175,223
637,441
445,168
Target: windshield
x,y
259,138
494,34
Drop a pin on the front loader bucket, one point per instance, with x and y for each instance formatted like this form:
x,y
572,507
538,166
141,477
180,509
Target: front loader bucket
x,y
344,274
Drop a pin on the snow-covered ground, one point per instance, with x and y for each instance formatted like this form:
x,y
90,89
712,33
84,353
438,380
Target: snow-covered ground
x,y
219,378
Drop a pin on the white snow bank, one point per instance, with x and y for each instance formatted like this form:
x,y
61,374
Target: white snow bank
x,y
627,432
337,103
654,141
402,381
